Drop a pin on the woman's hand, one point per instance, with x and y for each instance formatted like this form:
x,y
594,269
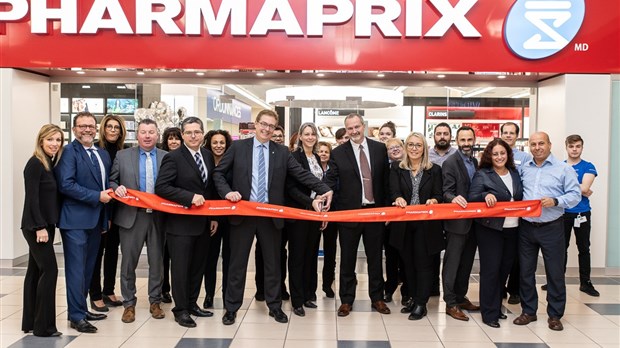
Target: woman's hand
x,y
42,236
400,202
490,200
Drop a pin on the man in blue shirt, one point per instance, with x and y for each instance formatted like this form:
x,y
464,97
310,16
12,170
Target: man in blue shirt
x,y
554,183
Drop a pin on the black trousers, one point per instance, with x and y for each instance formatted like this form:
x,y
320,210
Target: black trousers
x,y
457,263
550,239
241,239
372,235
582,238
394,267
40,285
512,287
108,253
188,261
259,276
220,240
330,237
497,250
166,283
418,264
303,242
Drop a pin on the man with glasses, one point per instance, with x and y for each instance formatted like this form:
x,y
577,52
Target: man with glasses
x,y
259,168
185,177
83,180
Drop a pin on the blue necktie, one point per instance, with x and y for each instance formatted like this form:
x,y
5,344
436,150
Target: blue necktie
x,y
201,167
261,191
95,162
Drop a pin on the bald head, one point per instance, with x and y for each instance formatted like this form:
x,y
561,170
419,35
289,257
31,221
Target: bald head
x,y
540,146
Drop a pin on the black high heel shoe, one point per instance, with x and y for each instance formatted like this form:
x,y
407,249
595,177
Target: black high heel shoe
x,y
108,301
94,306
418,312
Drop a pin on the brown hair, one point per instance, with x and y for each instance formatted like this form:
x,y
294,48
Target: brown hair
x,y
486,160
573,138
46,131
120,142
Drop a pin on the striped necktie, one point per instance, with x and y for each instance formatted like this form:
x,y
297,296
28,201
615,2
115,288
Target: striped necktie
x,y
261,191
201,167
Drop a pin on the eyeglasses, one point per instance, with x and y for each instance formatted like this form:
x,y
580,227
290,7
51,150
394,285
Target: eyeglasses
x,y
394,148
112,127
416,146
277,136
86,126
195,133
267,125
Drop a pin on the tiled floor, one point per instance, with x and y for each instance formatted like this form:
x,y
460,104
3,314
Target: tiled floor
x,y
589,322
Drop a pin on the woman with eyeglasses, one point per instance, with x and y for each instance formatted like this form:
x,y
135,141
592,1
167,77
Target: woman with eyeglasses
x,y
112,135
39,219
415,180
497,180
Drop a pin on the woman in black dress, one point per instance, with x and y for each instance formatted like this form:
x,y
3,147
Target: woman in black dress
x,y
41,209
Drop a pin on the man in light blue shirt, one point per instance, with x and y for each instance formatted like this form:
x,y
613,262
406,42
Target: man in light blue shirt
x,y
555,184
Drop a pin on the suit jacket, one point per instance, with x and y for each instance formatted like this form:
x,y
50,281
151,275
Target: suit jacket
x,y
456,182
80,186
430,187
297,195
344,174
486,181
126,172
238,160
178,180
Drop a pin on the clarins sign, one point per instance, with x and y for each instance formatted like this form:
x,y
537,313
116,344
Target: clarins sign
x,y
401,35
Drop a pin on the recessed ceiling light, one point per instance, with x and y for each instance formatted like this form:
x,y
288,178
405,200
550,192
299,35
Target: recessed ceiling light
x,y
200,73
259,74
140,72
320,74
85,86
121,87
76,69
441,76
81,72
501,77
380,75
110,69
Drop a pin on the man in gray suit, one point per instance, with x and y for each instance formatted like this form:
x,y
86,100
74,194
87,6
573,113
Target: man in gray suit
x,y
458,170
136,168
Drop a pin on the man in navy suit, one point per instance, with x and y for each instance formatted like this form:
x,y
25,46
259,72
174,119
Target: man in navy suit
x,y
82,175
259,168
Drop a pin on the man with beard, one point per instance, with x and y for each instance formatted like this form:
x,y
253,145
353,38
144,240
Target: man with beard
x,y
442,149
458,260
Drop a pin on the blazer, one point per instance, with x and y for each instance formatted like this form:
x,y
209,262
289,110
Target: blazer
x,y
80,186
486,181
126,172
456,182
297,195
430,187
178,180
41,203
238,160
344,174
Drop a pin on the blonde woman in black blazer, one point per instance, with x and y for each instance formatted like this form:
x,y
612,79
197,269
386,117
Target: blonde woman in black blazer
x,y
39,218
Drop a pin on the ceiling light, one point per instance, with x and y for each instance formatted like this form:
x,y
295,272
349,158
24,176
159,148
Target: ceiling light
x,y
110,69
320,74
501,77
380,75
477,92
200,73
139,72
441,76
85,86
249,95
338,97
121,87
80,72
76,69
260,74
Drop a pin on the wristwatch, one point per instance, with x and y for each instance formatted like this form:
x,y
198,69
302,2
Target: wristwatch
x,y
555,202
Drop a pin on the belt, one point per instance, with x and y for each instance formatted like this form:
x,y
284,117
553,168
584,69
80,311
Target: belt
x,y
364,205
145,210
541,224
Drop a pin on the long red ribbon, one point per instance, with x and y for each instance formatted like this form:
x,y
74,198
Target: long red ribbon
x,y
443,211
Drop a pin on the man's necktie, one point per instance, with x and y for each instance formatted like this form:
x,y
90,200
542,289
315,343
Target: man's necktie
x,y
261,191
150,180
201,167
95,163
366,178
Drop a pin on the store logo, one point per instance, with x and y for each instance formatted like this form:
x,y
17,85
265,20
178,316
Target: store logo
x,y
536,29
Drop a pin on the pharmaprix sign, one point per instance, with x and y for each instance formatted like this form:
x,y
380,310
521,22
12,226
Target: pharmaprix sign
x,y
401,35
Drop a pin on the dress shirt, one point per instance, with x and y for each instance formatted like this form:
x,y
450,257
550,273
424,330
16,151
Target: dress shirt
x,y
469,165
255,153
520,157
142,168
553,179
438,159
101,166
356,151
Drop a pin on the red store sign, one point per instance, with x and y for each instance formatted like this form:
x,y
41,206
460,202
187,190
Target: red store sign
x,y
391,35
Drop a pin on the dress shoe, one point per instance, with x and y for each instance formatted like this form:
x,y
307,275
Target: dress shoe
x,y
589,289
166,298
381,307
310,304
555,324
524,319
208,302
456,313
467,305
94,307
156,311
83,326
229,318
493,324
299,311
278,315
543,287
285,296
387,298
406,301
185,320
110,302
418,312
408,308
199,312
259,297
129,315
95,316
514,299
503,316
344,309
329,293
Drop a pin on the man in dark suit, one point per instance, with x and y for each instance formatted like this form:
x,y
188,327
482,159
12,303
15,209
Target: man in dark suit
x,y
259,168
82,175
458,170
136,168
185,178
359,169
